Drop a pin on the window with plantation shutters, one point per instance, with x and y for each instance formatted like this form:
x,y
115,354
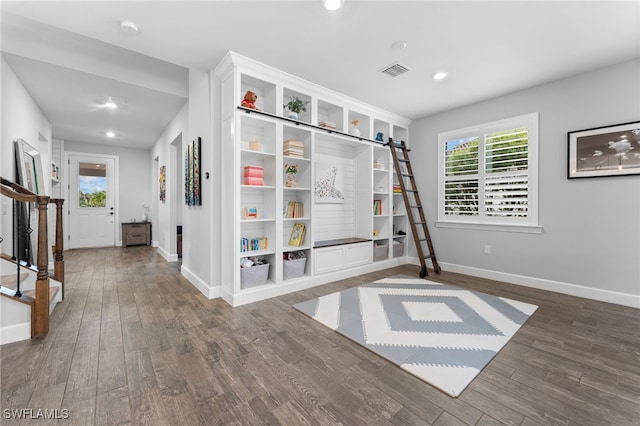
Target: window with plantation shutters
x,y
488,173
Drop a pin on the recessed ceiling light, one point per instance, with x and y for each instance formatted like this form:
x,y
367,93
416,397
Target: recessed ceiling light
x,y
129,27
110,134
332,4
440,75
399,45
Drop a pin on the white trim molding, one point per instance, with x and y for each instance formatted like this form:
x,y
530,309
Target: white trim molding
x,y
618,298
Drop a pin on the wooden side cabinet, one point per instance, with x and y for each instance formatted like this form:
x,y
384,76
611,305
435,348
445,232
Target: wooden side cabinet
x,y
136,233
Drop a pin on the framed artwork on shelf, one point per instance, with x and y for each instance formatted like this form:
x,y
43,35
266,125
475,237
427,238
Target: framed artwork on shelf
x,y
329,184
604,151
297,235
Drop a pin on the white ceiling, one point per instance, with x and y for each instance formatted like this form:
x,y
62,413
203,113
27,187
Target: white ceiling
x,y
69,55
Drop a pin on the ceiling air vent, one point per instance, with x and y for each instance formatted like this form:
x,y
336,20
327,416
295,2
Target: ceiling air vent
x,y
394,70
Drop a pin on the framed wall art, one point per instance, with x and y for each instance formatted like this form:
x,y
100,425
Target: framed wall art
x,y
605,151
192,166
162,183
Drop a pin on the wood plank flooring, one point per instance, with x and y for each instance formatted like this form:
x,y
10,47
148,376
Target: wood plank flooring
x,y
134,343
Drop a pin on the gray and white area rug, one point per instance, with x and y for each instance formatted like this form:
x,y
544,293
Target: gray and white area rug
x,y
442,334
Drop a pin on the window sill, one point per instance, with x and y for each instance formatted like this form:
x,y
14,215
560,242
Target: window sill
x,y
523,229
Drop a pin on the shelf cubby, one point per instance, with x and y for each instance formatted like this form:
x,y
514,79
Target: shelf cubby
x,y
265,91
303,116
363,124
331,113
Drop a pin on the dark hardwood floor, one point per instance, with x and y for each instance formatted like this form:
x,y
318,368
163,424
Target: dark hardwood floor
x,y
135,343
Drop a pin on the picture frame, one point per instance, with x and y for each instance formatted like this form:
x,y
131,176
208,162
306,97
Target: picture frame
x,y
29,169
162,183
297,235
192,166
604,151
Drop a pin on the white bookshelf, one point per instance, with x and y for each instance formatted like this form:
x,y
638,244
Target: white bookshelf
x,y
353,155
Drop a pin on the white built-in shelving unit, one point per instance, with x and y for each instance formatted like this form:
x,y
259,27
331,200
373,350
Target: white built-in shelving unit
x,y
343,238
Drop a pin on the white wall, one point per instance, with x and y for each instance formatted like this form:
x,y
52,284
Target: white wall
x,y
590,245
21,118
200,224
135,178
165,225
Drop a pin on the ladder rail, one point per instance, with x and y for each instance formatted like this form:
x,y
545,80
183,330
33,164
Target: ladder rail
x,y
409,207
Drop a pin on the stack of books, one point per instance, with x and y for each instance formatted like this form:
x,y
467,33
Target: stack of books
x,y
294,209
253,175
327,124
397,189
293,148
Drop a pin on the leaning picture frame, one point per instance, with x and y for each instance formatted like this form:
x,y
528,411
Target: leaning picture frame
x,y
604,151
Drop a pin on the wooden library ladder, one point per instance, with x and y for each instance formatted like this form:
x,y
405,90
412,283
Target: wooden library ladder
x,y
412,207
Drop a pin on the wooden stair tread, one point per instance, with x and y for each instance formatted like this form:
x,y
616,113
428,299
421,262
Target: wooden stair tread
x,y
27,300
11,280
8,258
32,293
29,296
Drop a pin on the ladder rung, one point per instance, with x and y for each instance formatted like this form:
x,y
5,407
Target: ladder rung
x,y
407,175
420,223
428,257
416,207
403,160
411,190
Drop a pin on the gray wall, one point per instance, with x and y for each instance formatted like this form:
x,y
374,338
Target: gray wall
x,y
590,244
135,177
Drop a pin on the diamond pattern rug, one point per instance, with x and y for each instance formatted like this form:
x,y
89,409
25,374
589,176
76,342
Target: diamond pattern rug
x,y
442,334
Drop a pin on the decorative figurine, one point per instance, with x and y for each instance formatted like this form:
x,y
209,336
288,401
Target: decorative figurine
x,y
380,137
249,100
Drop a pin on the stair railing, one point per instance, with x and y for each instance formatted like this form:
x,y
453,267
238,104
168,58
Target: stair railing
x,y
40,308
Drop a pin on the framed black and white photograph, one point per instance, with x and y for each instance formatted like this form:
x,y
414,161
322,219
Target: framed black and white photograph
x,y
605,151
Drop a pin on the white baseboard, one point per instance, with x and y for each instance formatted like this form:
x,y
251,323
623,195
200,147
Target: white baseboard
x,y
15,333
209,292
298,284
168,257
601,295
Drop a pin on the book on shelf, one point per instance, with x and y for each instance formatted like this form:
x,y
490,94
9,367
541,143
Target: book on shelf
x,y
297,235
293,148
377,207
397,189
253,244
327,124
293,209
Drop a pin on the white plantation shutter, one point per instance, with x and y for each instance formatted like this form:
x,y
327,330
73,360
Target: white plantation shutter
x,y
506,183
489,173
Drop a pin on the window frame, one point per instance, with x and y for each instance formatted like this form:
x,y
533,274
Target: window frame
x,y
528,224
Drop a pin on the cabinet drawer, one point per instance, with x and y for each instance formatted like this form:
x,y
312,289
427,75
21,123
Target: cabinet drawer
x,y
136,238
135,233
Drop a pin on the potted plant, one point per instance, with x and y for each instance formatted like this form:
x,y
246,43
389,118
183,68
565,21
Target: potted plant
x,y
295,107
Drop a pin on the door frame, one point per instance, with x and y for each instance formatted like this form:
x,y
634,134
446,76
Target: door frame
x,y
116,200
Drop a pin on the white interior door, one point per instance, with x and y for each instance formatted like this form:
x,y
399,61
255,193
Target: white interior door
x,y
92,209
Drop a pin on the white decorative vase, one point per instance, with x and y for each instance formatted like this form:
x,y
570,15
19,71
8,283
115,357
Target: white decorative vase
x,y
354,131
291,114
143,217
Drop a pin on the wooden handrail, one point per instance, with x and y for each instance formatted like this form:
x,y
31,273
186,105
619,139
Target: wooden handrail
x,y
40,307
